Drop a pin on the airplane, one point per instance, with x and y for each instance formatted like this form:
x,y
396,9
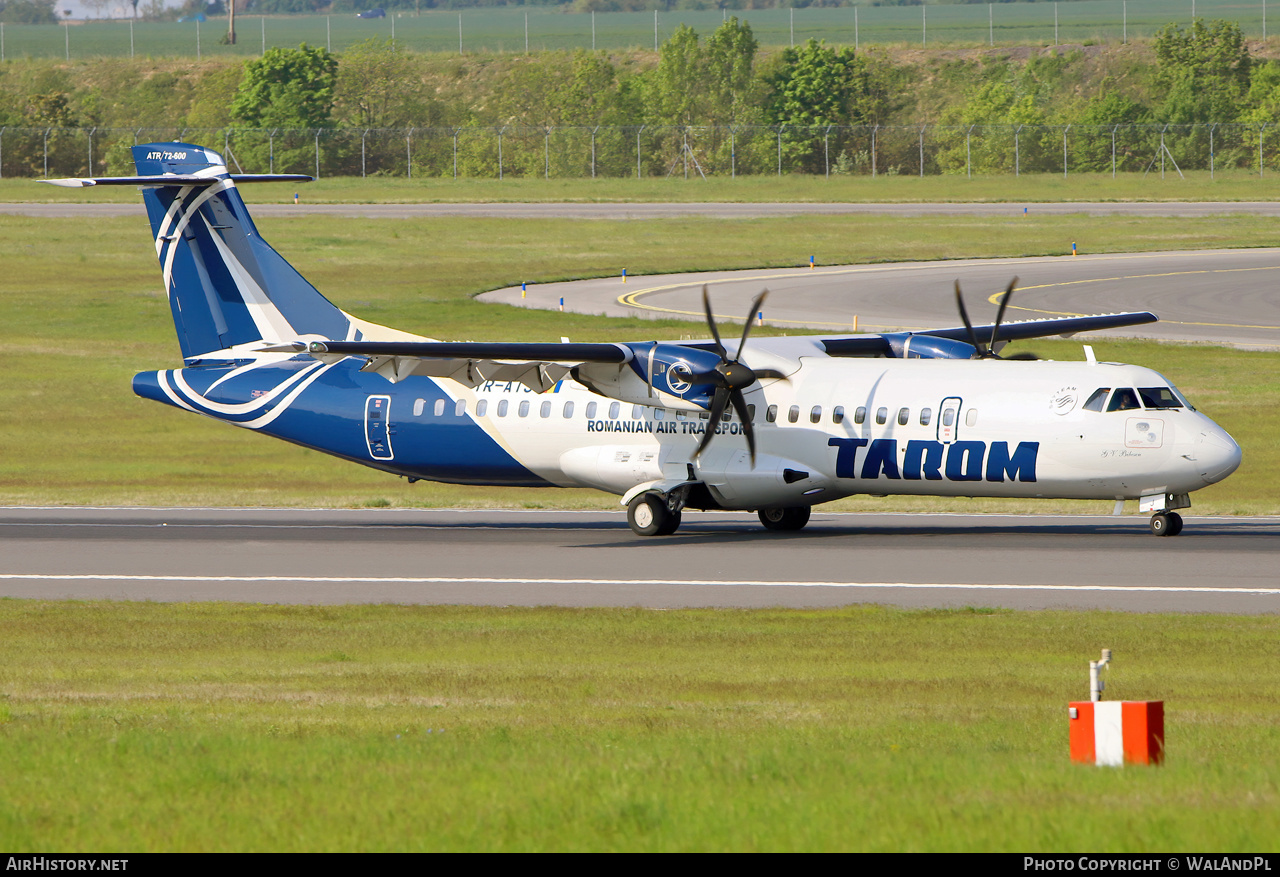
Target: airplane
x,y
776,426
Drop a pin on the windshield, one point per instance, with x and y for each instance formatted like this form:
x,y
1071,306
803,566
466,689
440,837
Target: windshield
x,y
1159,397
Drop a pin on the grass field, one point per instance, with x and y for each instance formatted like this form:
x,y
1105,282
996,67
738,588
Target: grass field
x,y
503,29
1026,190
85,312
136,727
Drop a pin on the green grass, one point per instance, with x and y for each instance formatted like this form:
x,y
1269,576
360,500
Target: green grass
x,y
84,312
503,29
1019,191
136,727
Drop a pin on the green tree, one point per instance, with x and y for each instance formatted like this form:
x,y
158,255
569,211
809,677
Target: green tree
x,y
817,93
287,97
28,12
1205,70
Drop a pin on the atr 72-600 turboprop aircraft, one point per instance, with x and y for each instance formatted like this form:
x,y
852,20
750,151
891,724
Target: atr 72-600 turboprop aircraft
x,y
797,421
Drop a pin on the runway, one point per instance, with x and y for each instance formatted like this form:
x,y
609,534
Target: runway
x,y
592,559
1219,296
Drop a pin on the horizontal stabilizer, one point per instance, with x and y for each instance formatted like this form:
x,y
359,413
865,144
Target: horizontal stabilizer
x,y
174,180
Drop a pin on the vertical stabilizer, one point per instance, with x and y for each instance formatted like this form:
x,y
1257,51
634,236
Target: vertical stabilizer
x,y
226,285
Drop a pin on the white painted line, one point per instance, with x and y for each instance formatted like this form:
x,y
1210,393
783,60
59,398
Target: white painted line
x,y
441,580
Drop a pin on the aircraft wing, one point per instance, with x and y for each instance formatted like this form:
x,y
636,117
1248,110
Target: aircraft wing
x,y
1064,326
536,365
890,344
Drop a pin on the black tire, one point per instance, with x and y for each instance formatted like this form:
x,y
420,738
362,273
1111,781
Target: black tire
x,y
1175,523
1160,525
648,515
672,524
793,518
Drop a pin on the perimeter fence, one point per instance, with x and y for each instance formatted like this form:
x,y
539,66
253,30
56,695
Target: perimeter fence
x,y
536,28
664,151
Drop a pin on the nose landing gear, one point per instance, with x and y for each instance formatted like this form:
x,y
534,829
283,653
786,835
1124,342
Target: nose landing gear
x,y
1166,524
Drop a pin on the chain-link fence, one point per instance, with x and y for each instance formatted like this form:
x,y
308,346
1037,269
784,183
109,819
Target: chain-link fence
x,y
665,151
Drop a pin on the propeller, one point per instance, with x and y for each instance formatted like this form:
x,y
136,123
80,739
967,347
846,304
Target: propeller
x,y
730,378
986,350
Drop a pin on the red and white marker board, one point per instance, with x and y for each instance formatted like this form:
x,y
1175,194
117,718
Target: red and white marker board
x,y
1117,732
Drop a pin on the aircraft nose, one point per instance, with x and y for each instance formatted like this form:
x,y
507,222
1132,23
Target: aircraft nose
x,y
1217,455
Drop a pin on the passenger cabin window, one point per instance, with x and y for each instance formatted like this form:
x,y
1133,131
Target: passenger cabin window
x,y
837,414
815,416
460,408
794,414
481,407
524,408
438,408
591,410
1098,400
636,411
904,416
860,415
418,405
502,408
1123,399
1158,397
771,414
751,413
545,410
971,417
882,416
614,408
568,410
926,415
949,417
659,413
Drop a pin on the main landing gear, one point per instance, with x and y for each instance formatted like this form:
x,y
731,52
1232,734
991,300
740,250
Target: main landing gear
x,y
649,514
793,518
655,514
1166,524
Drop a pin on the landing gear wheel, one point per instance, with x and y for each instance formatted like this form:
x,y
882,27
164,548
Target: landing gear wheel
x,y
793,518
648,515
1166,524
1175,523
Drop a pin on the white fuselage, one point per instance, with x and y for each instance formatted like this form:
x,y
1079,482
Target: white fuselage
x,y
837,427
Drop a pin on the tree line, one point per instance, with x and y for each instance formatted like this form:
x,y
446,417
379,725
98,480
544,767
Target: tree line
x,y
717,103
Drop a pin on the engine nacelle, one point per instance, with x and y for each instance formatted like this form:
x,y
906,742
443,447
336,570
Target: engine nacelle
x,y
673,368
906,345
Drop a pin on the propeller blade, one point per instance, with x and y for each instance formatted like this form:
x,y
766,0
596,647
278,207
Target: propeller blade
x,y
711,321
1004,303
649,373
744,415
751,315
717,409
964,316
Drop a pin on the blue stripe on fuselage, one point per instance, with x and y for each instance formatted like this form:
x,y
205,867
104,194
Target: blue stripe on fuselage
x,y
329,415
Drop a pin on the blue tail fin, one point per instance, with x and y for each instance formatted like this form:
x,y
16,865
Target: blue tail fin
x,y
226,285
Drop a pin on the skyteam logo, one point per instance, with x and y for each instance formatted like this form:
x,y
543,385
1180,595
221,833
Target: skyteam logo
x,y
679,378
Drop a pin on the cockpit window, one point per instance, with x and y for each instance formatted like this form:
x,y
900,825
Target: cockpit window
x,y
1097,400
1123,399
1158,397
